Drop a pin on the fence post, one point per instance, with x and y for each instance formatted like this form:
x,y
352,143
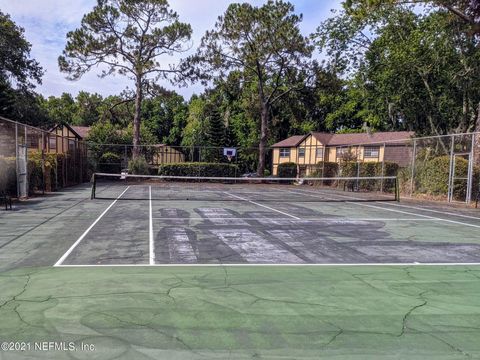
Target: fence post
x,y
471,159
16,160
451,174
414,156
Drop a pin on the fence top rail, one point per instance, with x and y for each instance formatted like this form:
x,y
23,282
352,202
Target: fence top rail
x,y
36,129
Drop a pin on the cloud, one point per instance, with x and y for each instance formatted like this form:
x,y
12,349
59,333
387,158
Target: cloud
x,y
46,23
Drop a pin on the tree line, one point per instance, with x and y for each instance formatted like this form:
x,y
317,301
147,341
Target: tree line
x,y
387,65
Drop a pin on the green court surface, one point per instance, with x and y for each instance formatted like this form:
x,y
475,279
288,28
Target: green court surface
x,y
298,312
247,279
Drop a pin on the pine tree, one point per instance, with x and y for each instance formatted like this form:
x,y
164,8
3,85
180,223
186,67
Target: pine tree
x,y
215,134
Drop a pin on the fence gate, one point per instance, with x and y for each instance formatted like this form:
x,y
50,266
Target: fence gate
x,y
22,174
460,183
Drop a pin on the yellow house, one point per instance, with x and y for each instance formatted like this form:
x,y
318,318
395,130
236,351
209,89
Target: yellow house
x,y
308,150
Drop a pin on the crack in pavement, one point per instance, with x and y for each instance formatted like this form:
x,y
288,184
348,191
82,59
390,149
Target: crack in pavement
x,y
148,325
409,312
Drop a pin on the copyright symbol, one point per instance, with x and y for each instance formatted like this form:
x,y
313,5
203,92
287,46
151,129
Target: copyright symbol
x,y
4,346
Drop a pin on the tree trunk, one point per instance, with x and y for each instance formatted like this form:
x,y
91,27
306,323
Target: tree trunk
x,y
476,150
137,118
262,146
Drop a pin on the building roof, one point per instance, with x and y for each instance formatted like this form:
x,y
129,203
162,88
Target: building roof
x,y
349,139
291,141
81,131
362,138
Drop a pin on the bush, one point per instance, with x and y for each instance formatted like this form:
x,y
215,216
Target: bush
x,y
110,163
370,169
8,176
433,177
138,166
287,170
199,169
38,178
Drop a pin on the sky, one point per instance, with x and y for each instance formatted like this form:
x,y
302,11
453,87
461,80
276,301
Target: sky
x,y
46,23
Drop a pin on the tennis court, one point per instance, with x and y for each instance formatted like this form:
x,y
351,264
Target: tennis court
x,y
270,270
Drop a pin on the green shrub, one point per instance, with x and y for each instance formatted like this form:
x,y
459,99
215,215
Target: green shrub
x,y
110,163
370,169
41,178
433,177
8,176
199,169
138,166
287,170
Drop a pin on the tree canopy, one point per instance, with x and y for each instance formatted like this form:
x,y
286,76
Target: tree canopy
x,y
266,45
128,37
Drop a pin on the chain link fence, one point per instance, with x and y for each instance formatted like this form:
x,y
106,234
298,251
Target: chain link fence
x,y
35,161
443,168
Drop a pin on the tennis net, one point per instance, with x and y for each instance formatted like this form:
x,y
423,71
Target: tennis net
x,y
307,189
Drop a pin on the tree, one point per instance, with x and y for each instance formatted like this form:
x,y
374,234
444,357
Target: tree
x,y
87,108
467,11
15,63
60,110
19,74
127,37
266,44
414,71
166,115
215,133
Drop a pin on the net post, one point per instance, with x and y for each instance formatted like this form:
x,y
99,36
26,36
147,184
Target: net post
x,y
94,185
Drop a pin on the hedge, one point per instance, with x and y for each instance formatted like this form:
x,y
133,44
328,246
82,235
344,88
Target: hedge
x,y
198,169
8,177
287,170
110,163
432,177
369,169
36,178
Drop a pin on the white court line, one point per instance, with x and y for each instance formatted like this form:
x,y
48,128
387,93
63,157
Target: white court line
x,y
289,219
150,229
409,213
435,211
64,256
269,265
264,206
400,211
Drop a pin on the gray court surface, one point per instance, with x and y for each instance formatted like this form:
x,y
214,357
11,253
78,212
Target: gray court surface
x,y
137,228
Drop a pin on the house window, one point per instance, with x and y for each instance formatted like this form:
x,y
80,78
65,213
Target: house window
x,y
301,152
285,152
319,153
52,143
371,151
342,151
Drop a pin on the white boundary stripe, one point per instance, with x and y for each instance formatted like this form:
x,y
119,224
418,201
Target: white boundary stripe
x,y
64,256
346,220
264,206
436,211
410,213
150,229
405,212
270,265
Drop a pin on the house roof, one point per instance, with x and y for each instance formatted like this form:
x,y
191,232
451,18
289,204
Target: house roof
x,y
81,131
348,139
291,141
362,138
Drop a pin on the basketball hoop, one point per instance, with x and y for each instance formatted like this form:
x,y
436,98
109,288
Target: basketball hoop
x,y
229,153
